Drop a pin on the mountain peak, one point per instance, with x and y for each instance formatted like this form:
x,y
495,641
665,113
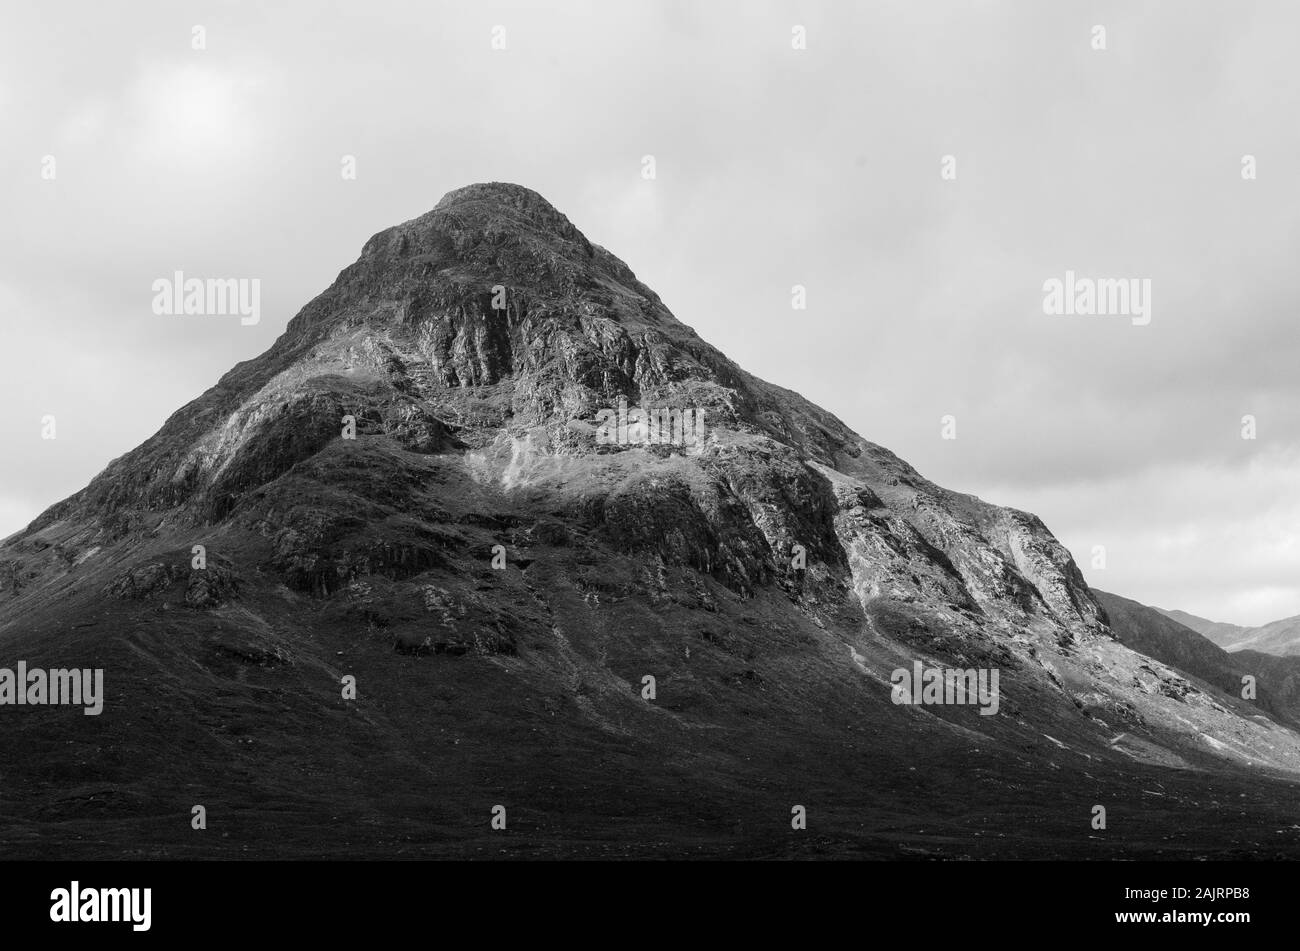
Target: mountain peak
x,y
486,213
491,325
504,194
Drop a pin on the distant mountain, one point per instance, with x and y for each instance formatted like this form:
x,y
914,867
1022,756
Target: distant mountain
x,y
452,546
1157,634
1217,631
1278,637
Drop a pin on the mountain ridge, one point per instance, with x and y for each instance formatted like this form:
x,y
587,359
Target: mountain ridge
x,y
1280,637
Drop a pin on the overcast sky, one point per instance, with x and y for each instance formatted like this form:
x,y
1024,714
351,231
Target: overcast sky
x,y
775,167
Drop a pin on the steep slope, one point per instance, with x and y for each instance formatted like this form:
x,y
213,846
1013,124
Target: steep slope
x,y
1152,632
1278,679
417,486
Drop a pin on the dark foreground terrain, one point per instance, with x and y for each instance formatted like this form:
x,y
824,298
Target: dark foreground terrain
x,y
769,577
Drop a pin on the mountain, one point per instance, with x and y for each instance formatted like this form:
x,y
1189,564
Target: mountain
x,y
1153,632
1277,637
1278,678
1225,635
438,489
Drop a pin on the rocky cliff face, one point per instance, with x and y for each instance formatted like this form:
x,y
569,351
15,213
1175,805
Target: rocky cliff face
x,y
429,463
409,343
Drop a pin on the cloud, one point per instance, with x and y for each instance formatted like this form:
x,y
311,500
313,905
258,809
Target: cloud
x,y
192,114
1221,541
87,124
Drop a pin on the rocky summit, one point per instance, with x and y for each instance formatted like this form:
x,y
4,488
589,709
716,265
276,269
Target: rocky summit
x,y
489,539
